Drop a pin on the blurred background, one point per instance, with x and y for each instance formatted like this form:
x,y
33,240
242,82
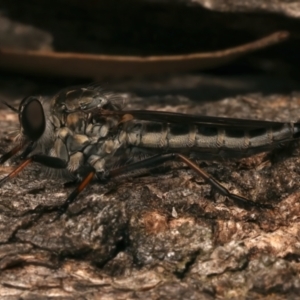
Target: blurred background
x,y
119,35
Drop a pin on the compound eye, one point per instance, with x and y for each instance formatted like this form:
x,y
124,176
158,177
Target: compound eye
x,y
32,118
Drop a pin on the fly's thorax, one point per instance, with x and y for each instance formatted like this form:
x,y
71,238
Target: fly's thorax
x,y
96,143
85,99
67,142
75,120
106,147
97,162
103,153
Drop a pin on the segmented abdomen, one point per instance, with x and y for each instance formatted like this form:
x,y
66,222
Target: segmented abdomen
x,y
203,138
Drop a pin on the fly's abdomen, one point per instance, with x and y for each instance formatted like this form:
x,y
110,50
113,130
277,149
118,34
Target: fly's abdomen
x,y
271,136
161,135
172,137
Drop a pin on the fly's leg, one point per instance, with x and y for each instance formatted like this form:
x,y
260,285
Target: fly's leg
x,y
48,161
27,150
161,158
16,171
87,173
239,200
10,153
30,147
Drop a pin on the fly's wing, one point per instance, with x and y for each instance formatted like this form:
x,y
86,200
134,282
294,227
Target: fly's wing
x,y
171,117
115,107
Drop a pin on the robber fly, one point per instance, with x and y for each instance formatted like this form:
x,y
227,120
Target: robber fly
x,y
87,133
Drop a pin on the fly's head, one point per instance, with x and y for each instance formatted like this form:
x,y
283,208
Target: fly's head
x,y
32,127
32,118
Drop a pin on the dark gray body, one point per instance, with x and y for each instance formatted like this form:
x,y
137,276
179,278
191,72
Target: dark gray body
x,y
87,126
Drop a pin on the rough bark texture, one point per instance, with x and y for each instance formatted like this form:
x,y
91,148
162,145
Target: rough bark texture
x,y
164,235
